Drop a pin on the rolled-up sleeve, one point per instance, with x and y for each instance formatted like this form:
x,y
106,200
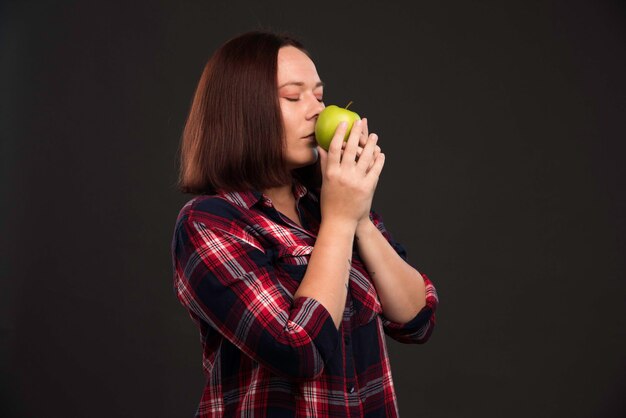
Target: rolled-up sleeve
x,y
419,329
228,281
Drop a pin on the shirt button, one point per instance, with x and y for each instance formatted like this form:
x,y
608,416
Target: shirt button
x,y
352,389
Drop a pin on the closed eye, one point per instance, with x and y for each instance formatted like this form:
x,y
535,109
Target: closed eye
x,y
295,100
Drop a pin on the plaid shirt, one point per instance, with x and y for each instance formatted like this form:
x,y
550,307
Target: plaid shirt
x,y
237,264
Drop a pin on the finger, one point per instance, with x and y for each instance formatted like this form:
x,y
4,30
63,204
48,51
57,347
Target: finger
x,y
377,168
334,149
376,152
358,151
349,153
368,153
365,134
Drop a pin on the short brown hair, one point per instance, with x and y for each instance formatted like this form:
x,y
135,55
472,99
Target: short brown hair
x,y
233,136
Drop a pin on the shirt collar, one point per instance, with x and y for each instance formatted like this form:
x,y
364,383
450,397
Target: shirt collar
x,y
247,199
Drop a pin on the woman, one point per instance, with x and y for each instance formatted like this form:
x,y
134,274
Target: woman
x,y
290,276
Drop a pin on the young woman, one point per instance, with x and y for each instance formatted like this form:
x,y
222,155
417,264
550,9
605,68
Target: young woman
x,y
289,274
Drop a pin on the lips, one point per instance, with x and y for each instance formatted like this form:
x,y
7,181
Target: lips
x,y
311,135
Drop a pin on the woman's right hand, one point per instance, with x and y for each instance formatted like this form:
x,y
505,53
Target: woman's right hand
x,y
348,183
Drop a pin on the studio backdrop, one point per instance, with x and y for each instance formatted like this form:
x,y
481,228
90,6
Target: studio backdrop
x,y
503,128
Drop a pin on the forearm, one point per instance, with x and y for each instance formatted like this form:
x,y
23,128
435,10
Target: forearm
x,y
328,272
400,287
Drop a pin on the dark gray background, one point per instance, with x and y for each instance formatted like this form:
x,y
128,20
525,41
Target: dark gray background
x,y
503,124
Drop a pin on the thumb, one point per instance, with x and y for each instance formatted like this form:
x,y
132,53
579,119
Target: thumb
x,y
323,155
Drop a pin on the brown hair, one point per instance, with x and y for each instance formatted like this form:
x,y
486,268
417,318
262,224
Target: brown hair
x,y
233,136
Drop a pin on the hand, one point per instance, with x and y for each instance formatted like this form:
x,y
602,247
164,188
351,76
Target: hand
x,y
363,138
348,184
362,141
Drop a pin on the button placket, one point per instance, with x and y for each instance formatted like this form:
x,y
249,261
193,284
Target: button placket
x,y
349,364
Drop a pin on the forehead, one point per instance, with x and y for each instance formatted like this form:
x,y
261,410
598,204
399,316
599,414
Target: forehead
x,y
295,65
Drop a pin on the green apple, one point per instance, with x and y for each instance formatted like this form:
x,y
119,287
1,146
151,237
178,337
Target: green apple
x,y
329,119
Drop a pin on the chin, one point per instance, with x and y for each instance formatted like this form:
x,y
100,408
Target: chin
x,y
305,160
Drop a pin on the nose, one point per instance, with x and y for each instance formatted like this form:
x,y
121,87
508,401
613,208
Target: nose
x,y
316,108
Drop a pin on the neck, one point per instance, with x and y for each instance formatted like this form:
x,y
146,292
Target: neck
x,y
281,195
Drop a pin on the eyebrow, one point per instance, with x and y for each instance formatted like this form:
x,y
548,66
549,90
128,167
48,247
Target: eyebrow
x,y
300,83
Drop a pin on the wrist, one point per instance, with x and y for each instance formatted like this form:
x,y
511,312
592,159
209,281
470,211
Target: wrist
x,y
364,227
340,225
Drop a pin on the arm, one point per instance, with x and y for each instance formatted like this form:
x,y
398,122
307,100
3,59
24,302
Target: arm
x,y
226,279
408,298
327,275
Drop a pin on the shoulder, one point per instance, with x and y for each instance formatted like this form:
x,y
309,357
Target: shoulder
x,y
211,209
216,218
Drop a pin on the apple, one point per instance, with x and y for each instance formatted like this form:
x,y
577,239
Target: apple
x,y
329,119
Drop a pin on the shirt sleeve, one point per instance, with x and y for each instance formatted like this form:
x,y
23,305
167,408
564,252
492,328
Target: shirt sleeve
x,y
419,329
228,281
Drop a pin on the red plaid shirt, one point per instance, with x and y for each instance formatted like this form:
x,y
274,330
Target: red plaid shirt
x,y
237,264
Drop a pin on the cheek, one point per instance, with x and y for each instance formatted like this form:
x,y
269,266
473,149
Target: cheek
x,y
289,124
